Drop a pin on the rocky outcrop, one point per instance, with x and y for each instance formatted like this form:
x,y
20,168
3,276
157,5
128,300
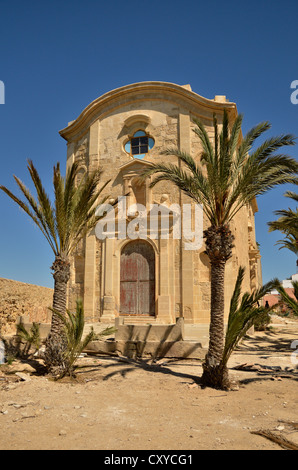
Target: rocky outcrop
x,y
20,299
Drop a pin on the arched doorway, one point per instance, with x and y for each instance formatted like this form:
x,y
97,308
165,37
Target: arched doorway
x,y
137,279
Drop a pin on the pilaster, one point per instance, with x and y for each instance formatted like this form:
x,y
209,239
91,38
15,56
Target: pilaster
x,y
108,314
187,268
89,276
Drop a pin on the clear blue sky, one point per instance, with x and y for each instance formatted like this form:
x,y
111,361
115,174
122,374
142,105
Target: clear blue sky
x,y
58,56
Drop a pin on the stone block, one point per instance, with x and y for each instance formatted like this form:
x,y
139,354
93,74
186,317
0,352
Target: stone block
x,y
158,333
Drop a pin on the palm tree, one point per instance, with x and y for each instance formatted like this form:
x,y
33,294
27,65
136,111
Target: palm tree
x,y
63,223
227,179
287,223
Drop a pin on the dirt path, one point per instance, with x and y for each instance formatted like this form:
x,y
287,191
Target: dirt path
x,y
118,405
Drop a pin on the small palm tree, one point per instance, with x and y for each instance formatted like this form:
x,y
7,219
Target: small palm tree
x,y
31,337
287,223
74,328
63,223
245,310
232,179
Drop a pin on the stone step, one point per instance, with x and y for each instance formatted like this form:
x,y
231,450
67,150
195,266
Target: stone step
x,y
138,320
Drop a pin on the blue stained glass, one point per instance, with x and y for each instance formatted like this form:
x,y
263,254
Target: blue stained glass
x,y
150,143
139,134
138,144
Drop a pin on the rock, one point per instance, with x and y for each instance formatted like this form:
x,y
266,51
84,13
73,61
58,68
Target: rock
x,y
248,367
280,428
22,367
21,405
234,388
23,377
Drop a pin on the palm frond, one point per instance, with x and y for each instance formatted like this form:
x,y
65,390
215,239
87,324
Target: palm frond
x,y
244,310
194,184
292,195
60,214
235,134
44,202
295,287
236,295
290,243
255,179
33,211
206,143
288,300
250,138
72,215
30,336
287,221
233,176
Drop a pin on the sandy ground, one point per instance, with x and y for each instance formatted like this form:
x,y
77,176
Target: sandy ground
x,y
119,405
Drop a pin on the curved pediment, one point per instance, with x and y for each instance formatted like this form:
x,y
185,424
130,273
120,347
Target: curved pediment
x,y
114,99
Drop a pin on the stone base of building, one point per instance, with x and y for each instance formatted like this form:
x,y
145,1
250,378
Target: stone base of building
x,y
148,349
133,339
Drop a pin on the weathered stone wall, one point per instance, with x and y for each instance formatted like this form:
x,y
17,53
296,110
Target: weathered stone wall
x,y
20,299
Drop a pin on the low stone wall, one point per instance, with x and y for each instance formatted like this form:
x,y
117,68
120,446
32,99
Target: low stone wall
x,y
153,349
154,341
19,299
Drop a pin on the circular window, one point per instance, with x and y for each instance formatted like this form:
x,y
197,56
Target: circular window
x,y
139,145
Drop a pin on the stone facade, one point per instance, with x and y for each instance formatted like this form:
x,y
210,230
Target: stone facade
x,y
98,138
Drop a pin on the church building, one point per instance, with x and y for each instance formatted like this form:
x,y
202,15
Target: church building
x,y
151,276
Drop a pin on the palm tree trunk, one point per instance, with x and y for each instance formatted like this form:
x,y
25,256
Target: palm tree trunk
x,y
216,344
219,242
61,274
214,375
56,342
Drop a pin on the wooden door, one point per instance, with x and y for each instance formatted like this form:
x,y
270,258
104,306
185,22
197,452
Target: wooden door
x,y
137,279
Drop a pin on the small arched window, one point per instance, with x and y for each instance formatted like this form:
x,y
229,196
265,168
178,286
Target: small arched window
x,y
139,145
